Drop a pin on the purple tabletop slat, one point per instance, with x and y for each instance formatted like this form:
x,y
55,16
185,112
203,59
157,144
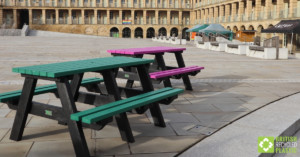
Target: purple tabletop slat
x,y
146,50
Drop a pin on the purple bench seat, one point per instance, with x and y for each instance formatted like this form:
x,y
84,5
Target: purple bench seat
x,y
177,71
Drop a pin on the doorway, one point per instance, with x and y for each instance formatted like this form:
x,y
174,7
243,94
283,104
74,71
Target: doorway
x,y
24,18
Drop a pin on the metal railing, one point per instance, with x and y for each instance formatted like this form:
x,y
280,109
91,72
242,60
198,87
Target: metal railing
x,y
63,20
50,21
37,21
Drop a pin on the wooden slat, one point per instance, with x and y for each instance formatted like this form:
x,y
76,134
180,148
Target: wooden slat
x,y
146,50
172,72
129,106
78,116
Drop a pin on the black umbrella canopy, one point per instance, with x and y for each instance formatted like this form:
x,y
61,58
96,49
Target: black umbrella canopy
x,y
284,26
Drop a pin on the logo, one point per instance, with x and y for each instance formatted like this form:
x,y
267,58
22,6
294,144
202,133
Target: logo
x,y
280,144
265,144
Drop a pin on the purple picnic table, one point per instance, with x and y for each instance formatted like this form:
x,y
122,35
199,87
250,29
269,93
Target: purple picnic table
x,y
146,50
158,70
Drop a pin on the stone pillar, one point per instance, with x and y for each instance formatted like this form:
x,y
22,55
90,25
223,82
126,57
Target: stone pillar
x,y
179,3
233,9
156,17
198,16
30,17
227,12
279,7
257,8
15,24
168,17
43,2
241,10
82,17
203,15
144,33
180,18
108,16
95,16
43,16
249,8
120,16
56,3
56,16
1,17
132,17
70,16
216,14
144,17
221,10
293,6
211,14
268,8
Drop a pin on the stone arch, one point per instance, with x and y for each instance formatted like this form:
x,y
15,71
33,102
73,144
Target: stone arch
x,y
258,31
242,28
228,28
150,32
162,31
126,32
174,30
138,32
185,35
251,28
235,29
114,32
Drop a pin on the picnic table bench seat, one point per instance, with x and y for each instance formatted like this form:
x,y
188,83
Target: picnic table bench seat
x,y
176,73
13,95
108,110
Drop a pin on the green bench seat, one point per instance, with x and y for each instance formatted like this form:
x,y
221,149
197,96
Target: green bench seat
x,y
108,110
8,96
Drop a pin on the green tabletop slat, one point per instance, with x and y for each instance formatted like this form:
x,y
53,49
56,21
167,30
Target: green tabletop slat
x,y
81,66
78,116
129,106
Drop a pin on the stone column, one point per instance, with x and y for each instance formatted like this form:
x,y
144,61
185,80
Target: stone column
x,y
43,16
268,9
211,14
30,17
15,24
233,9
132,17
216,13
82,17
156,17
279,7
168,17
249,8
293,6
180,17
56,16
108,16
1,17
198,16
144,17
120,16
56,3
203,15
70,16
221,10
257,8
241,10
227,12
179,3
95,16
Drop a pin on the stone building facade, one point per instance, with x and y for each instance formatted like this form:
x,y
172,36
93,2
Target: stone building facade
x,y
144,18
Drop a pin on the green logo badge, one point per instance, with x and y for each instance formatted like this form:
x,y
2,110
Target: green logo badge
x,y
265,144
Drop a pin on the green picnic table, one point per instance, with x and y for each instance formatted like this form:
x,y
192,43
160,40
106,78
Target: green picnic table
x,y
68,77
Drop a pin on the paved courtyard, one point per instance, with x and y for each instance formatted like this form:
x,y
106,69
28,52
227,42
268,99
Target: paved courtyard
x,y
230,87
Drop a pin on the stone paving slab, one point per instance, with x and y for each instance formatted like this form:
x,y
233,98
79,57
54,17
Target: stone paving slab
x,y
240,137
229,87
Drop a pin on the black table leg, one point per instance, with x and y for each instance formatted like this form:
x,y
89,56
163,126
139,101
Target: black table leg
x,y
122,120
75,85
161,63
75,128
147,87
24,107
185,78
